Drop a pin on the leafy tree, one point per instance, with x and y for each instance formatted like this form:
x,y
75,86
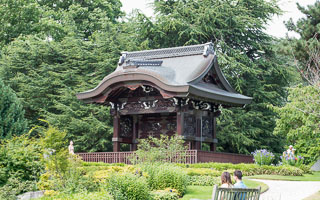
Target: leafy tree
x,y
18,17
55,18
299,118
48,79
75,44
299,121
47,75
305,49
246,54
12,121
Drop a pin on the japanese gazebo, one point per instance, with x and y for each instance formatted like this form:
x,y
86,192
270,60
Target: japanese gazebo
x,y
166,91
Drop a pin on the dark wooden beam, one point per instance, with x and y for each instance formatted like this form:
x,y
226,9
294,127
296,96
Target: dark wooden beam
x,y
116,133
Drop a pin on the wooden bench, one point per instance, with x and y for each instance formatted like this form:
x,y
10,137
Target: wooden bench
x,y
235,193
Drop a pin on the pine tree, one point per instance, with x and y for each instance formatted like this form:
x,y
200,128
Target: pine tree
x,y
78,44
12,121
245,52
303,48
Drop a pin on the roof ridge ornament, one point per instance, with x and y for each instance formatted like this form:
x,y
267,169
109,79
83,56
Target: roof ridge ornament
x,y
208,49
122,58
204,49
138,63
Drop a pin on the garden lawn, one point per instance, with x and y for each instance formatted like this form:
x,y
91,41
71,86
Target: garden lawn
x,y
306,177
205,192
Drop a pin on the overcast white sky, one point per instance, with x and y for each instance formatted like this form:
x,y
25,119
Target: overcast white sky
x,y
275,27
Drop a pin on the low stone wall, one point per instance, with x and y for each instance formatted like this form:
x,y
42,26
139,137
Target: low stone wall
x,y
30,195
316,166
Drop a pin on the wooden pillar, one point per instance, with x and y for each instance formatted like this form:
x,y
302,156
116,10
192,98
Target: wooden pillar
x,y
134,133
213,146
179,122
198,134
116,133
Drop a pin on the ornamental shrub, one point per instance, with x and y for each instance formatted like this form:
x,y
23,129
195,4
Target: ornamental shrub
x,y
20,158
100,195
163,149
168,194
262,157
292,160
250,169
204,180
14,187
202,172
161,176
128,187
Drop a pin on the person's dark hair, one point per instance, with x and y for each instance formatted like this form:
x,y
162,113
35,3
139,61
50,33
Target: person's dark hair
x,y
238,174
226,178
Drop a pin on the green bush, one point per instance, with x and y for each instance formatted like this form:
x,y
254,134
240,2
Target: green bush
x,y
202,172
14,187
164,195
249,169
161,176
128,187
20,162
100,195
74,180
203,180
163,149
305,168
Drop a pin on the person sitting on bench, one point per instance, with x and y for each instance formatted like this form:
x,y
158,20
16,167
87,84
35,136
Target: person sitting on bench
x,y
239,184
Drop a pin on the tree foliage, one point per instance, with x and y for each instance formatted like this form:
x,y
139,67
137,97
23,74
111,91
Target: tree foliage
x,y
68,46
299,118
78,44
299,121
18,17
305,49
246,54
12,121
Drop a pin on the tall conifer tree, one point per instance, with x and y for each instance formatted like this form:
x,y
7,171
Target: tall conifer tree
x,y
245,53
12,121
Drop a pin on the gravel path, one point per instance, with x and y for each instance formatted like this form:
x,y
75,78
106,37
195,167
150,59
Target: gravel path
x,y
289,190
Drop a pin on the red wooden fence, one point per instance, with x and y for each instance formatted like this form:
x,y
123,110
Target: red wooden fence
x,y
189,157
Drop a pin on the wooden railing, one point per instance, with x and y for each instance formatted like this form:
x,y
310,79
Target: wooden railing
x,y
107,157
187,157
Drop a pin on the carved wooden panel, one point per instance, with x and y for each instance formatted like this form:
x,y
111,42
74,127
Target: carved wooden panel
x,y
142,106
155,126
126,126
141,91
189,125
207,126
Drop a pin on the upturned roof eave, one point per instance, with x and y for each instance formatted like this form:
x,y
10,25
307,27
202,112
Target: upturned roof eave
x,y
131,78
225,97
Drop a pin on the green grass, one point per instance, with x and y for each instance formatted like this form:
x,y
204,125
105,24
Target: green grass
x,y
205,192
254,184
199,192
306,177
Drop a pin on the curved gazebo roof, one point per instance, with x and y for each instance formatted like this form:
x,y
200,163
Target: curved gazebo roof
x,y
181,72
